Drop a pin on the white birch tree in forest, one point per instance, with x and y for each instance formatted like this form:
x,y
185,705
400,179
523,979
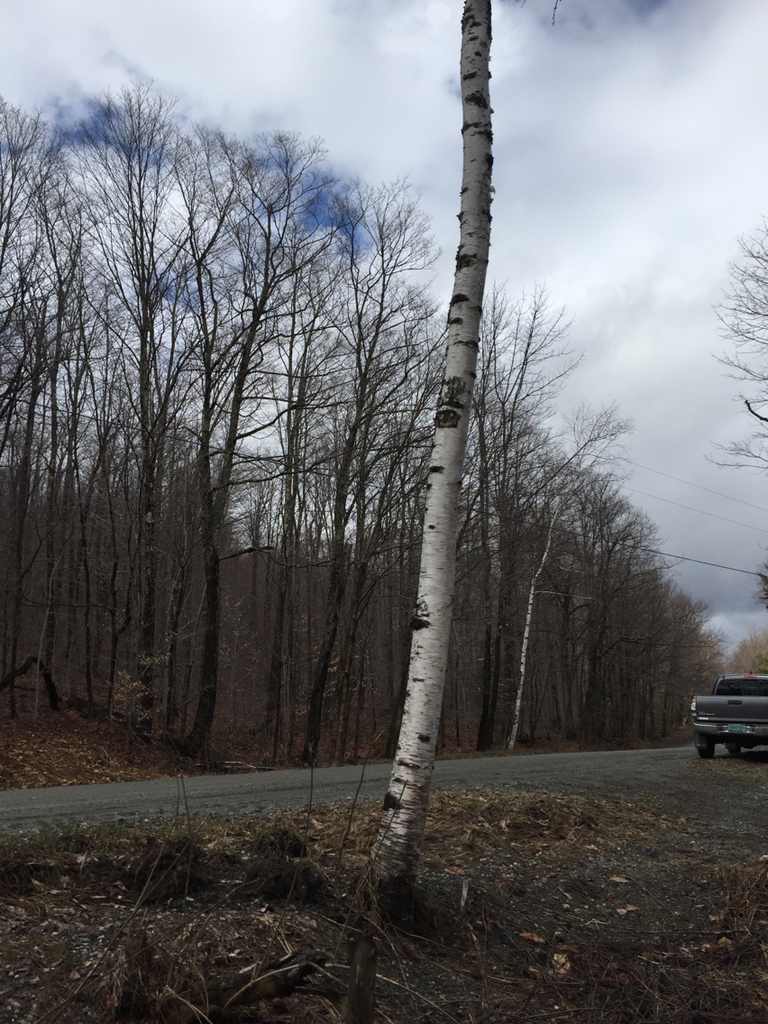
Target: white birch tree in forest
x,y
396,854
527,631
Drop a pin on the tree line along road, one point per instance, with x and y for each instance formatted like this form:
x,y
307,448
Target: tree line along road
x,y
670,775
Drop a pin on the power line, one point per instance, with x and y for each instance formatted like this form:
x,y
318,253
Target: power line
x,y
701,511
700,561
679,558
689,483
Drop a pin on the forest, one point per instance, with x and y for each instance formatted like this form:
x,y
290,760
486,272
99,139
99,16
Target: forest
x,y
218,368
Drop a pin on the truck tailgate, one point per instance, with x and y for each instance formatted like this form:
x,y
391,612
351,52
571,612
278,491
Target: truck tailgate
x,y
733,709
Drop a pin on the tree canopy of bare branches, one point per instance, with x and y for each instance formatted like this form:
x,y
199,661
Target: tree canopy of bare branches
x,y
217,365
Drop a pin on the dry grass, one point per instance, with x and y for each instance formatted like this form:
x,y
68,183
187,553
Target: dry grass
x,y
539,907
536,907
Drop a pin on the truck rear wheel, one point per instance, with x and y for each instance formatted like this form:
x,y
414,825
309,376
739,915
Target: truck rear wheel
x,y
705,746
733,748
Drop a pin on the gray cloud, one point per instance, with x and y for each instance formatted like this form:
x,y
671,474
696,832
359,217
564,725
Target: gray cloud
x,y
631,147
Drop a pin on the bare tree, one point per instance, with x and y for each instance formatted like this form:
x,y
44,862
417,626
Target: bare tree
x,y
26,164
303,376
743,316
127,156
214,369
37,276
405,807
382,240
751,654
524,362
266,215
527,629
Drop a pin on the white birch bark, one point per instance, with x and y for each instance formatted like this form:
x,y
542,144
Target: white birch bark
x,y
526,634
397,852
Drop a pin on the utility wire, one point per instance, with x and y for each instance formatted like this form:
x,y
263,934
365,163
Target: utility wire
x,y
700,561
701,511
689,483
566,531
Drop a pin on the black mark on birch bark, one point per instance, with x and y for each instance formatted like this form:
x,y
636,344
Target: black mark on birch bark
x,y
447,418
391,803
477,98
454,389
420,617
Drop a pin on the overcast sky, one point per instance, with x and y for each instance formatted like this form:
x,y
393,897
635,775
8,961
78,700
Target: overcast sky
x,y
631,154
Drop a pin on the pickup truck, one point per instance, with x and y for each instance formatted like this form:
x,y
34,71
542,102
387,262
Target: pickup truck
x,y
736,714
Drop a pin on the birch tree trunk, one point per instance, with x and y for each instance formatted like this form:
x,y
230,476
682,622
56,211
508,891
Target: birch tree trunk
x,y
396,855
527,633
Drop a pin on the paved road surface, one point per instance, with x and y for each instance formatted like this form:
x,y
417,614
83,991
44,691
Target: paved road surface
x,y
638,773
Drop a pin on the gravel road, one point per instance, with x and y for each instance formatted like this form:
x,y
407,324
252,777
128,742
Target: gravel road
x,y
674,775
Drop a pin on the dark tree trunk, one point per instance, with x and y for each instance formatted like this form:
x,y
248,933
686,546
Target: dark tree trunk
x,y
335,597
359,1004
272,717
488,707
8,679
199,739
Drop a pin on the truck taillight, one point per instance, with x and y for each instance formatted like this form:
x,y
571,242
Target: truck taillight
x,y
693,705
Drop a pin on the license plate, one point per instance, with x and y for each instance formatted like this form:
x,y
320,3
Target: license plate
x,y
736,727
